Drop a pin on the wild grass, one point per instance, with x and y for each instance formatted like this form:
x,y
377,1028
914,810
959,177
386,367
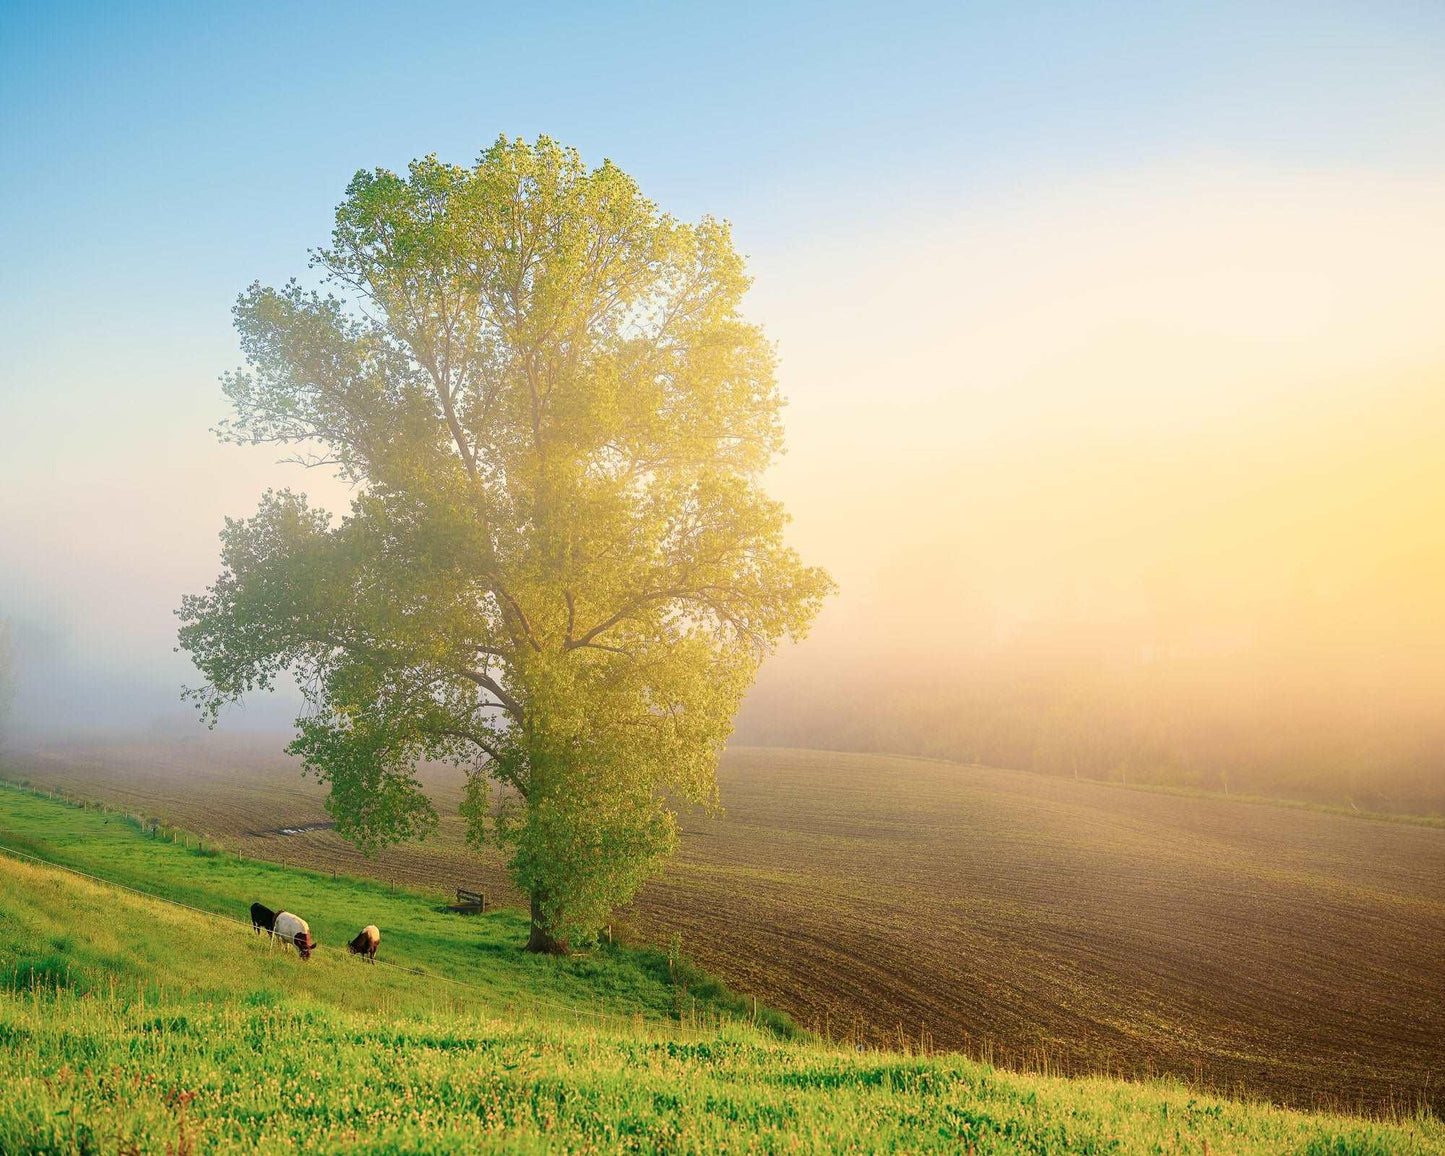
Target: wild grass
x,y
1031,921
129,1026
479,954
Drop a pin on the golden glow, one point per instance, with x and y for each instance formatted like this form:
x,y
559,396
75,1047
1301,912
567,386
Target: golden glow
x,y
1183,418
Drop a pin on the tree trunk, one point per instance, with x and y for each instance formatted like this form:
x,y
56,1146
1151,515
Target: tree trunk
x,y
541,939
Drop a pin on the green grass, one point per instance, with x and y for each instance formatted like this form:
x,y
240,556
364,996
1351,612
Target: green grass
x,y
139,1027
482,952
131,1025
1025,920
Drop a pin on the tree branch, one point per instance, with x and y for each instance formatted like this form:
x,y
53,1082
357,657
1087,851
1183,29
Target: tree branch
x,y
531,638
631,608
487,682
604,646
463,733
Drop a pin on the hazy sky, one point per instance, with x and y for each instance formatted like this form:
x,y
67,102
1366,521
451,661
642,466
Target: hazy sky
x,y
1128,308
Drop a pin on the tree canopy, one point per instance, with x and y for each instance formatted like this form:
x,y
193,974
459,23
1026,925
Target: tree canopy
x,y
559,569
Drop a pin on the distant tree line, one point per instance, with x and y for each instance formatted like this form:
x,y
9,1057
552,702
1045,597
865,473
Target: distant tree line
x,y
1239,729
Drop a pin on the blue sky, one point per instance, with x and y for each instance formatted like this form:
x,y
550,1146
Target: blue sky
x,y
156,159
162,151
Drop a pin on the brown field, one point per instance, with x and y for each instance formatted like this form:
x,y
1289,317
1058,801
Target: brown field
x,y
1284,952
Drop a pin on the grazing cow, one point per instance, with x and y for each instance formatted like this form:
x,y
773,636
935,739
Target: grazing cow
x,y
262,918
293,929
367,942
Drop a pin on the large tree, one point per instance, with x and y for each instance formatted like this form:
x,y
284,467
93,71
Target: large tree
x,y
559,569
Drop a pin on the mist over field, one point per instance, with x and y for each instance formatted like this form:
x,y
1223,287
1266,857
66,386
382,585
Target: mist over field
x,y
684,578
1137,478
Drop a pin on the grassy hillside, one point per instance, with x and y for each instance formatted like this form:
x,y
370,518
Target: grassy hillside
x,y
1286,953
477,954
131,1025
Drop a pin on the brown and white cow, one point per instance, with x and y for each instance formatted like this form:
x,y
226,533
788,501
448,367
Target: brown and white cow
x,y
367,942
293,929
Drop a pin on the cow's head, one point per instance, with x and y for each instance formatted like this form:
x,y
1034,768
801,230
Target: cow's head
x,y
305,945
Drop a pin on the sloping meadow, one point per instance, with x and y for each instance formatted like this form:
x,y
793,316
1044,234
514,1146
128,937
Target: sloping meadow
x,y
132,1025
1023,919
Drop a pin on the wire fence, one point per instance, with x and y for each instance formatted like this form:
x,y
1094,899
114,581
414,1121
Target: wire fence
x,y
533,1001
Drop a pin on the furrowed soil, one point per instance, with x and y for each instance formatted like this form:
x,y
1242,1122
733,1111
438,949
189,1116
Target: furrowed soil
x,y
1036,922
132,1025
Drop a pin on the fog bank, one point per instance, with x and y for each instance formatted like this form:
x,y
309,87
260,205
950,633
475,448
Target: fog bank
x,y
1133,477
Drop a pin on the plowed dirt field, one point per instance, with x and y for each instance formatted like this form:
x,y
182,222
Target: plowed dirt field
x,y
1283,952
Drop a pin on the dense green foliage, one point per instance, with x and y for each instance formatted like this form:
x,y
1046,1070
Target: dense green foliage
x,y
560,569
130,1025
